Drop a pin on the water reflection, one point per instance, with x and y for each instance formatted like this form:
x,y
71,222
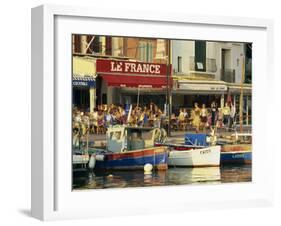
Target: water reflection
x,y
238,173
193,175
173,176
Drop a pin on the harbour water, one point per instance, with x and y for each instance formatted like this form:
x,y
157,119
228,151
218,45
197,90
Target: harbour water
x,y
173,176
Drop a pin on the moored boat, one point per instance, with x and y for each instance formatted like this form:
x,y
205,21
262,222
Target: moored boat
x,y
129,148
237,150
80,163
136,159
195,152
236,157
236,154
195,157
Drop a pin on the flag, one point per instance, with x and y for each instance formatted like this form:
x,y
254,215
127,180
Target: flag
x,y
229,100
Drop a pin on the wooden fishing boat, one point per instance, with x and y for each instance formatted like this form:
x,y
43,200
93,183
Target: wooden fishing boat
x,y
237,150
129,148
237,157
136,159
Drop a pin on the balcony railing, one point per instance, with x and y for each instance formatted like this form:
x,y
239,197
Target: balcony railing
x,y
211,65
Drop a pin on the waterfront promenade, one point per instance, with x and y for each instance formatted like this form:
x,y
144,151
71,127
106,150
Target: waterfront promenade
x,y
175,135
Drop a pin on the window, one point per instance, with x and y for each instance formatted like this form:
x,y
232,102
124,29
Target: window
x,y
96,45
117,46
108,45
76,43
179,64
145,51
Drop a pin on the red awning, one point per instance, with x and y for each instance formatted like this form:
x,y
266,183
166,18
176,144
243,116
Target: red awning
x,y
136,81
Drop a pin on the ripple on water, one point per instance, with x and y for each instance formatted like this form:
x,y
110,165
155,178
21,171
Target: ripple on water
x,y
173,176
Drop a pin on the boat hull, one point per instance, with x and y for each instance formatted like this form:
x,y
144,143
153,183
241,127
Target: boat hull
x,y
237,157
236,154
80,166
209,156
156,156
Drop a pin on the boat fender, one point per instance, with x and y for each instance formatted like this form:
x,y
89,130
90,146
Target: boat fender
x,y
99,157
92,162
148,168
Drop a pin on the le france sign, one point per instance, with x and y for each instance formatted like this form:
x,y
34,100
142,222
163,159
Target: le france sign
x,y
130,67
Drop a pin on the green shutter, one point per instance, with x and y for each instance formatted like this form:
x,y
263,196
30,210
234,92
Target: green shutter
x,y
200,55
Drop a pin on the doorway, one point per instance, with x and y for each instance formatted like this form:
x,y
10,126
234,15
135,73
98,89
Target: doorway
x,y
225,59
81,98
226,71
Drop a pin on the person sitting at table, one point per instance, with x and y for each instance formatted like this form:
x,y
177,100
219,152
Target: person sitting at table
x,y
158,114
145,117
151,118
108,119
100,124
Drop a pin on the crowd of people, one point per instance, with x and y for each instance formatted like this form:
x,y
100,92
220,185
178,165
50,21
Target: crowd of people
x,y
104,116
203,118
200,117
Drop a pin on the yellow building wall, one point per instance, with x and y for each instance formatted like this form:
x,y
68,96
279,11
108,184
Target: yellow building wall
x,y
84,66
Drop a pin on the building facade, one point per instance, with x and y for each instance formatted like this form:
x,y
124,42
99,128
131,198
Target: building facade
x,y
144,53
204,72
116,70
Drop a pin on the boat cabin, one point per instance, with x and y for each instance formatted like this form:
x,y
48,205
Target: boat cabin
x,y
122,139
242,138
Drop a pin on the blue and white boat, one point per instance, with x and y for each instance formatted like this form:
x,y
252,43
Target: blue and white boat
x,y
238,150
129,148
236,157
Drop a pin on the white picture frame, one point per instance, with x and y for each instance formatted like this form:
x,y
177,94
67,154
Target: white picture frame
x,y
52,197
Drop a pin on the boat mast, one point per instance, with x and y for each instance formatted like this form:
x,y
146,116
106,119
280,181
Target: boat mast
x,y
138,96
241,95
168,89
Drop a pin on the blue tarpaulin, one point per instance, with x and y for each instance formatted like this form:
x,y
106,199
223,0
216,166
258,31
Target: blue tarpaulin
x,y
198,139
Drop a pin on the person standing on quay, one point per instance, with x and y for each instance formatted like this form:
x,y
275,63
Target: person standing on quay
x,y
219,118
226,115
196,117
203,116
213,114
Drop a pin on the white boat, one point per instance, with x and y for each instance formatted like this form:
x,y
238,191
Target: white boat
x,y
80,159
195,157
